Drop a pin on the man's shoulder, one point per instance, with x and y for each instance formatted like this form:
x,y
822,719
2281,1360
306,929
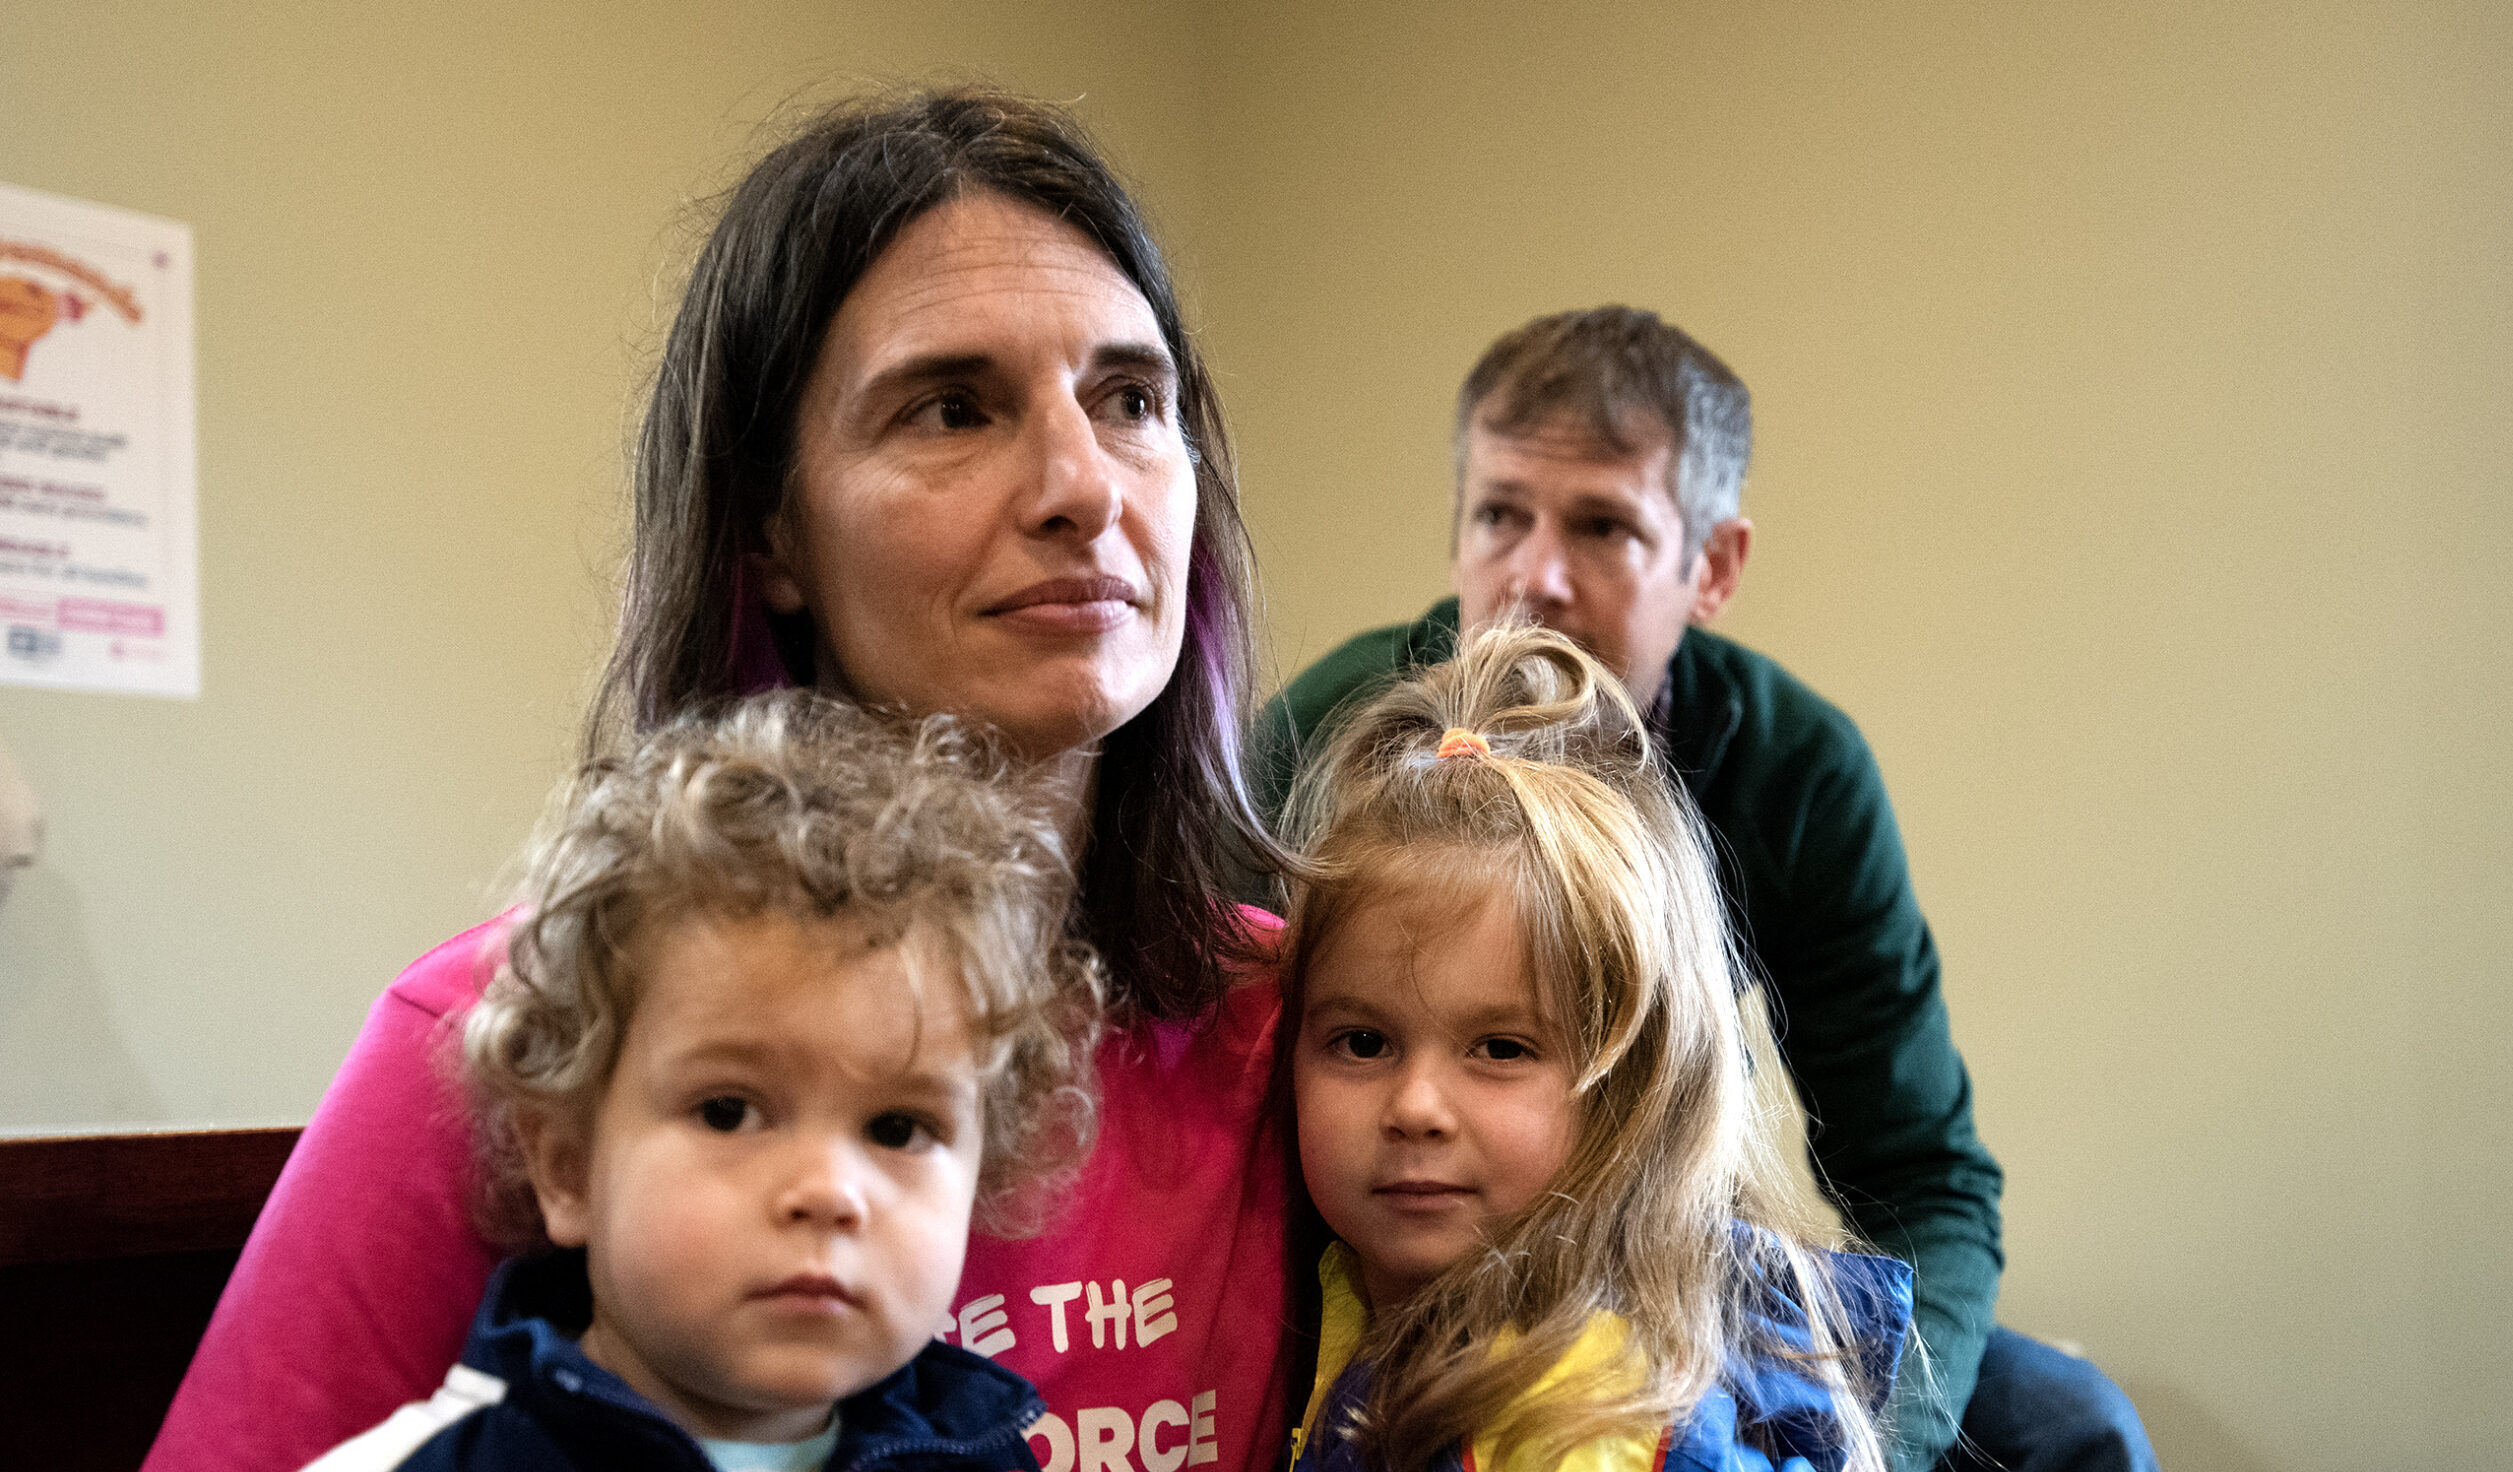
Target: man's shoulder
x,y
1366,661
1779,717
1792,777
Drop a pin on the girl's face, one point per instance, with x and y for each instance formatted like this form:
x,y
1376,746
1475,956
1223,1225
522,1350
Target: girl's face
x,y
993,502
1434,1095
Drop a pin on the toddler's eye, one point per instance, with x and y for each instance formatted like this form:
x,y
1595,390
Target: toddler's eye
x,y
726,1113
1363,1043
895,1131
1504,1050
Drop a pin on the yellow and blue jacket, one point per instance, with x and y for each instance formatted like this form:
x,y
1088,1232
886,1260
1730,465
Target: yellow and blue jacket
x,y
1761,1416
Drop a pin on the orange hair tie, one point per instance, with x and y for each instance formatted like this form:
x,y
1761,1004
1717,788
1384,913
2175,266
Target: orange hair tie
x,y
1458,741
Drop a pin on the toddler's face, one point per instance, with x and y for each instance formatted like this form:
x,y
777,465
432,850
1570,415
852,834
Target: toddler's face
x,y
775,1198
1434,1095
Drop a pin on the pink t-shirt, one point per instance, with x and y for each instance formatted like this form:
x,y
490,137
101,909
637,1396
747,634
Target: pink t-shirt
x,y
1149,1314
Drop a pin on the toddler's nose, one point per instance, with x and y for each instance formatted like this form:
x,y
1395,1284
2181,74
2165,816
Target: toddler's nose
x,y
826,1188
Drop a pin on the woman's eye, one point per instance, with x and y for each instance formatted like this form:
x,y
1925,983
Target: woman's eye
x,y
1132,403
952,409
726,1113
896,1131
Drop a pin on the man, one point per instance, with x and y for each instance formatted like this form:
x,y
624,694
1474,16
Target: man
x,y
1601,457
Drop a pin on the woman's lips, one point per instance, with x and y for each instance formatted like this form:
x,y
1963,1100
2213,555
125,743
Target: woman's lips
x,y
811,1293
1092,605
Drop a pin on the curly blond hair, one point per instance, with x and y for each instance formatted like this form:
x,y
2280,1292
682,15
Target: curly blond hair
x,y
794,803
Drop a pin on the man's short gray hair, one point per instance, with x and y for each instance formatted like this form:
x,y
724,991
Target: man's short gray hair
x,y
1603,366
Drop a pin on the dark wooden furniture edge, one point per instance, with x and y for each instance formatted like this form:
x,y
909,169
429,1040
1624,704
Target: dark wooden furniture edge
x,y
81,1198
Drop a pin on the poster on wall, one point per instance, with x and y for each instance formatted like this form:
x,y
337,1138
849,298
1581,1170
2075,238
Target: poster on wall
x,y
99,566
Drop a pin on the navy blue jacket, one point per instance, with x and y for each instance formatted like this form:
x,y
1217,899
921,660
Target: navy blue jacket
x,y
524,1396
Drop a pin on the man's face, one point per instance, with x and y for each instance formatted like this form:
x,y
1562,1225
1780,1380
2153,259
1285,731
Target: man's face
x,y
1586,540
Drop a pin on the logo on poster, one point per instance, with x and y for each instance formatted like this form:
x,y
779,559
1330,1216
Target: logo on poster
x,y
32,644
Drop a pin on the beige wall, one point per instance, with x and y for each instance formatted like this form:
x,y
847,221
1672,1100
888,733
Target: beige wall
x,y
434,245
2131,388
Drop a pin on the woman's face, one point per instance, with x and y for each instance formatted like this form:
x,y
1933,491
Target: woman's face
x,y
993,502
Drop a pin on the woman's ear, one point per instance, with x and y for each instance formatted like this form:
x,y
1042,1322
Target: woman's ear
x,y
780,575
558,1157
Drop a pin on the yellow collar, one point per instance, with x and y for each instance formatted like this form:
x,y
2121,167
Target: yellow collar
x,y
1344,1317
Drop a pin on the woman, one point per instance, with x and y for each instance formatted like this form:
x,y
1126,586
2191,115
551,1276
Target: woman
x,y
927,430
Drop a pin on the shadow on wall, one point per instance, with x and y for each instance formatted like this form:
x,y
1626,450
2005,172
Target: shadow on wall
x,y
2185,1436
62,1062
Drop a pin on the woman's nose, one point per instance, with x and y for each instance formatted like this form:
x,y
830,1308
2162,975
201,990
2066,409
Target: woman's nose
x,y
1078,492
824,1186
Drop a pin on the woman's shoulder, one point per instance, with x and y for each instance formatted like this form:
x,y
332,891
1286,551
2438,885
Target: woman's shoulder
x,y
355,1288
1225,1054
1262,922
1257,972
450,977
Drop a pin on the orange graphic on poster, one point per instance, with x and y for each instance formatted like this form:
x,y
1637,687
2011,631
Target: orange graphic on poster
x,y
27,312
29,309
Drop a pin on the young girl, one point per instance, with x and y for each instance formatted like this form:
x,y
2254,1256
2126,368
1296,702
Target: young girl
x,y
1518,1064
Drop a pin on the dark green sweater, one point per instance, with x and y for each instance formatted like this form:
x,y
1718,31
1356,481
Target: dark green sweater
x,y
1821,897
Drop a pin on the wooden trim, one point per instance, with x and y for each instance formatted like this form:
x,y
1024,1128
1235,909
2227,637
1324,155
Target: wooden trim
x,y
81,1198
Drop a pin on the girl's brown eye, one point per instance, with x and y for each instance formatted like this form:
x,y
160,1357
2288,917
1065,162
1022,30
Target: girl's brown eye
x,y
1362,1043
724,1113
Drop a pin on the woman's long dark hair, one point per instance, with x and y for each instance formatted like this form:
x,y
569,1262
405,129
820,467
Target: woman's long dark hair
x,y
717,451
